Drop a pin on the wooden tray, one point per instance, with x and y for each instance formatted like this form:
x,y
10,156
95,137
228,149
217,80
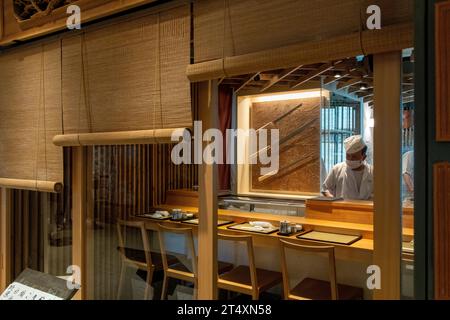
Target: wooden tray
x,y
297,233
246,227
181,220
329,237
219,222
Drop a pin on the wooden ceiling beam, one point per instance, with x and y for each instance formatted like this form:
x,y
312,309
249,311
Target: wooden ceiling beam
x,y
408,100
315,73
277,78
350,68
246,82
352,82
368,98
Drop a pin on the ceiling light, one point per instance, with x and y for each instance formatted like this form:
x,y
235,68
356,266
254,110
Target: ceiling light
x,y
363,86
287,96
337,75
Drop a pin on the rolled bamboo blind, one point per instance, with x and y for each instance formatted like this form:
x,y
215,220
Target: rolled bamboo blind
x,y
234,37
125,83
391,38
30,113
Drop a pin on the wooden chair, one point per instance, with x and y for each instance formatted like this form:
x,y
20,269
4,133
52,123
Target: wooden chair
x,y
312,289
247,279
179,270
142,259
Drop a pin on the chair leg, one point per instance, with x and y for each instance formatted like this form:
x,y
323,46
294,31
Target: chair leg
x,y
255,295
148,282
195,295
164,287
121,278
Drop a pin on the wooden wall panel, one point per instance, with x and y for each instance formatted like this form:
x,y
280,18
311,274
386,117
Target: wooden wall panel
x,y
443,71
442,230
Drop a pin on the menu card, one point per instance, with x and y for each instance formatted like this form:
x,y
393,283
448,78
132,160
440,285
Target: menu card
x,y
35,285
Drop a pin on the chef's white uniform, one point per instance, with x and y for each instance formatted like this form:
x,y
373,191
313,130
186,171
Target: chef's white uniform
x,y
342,183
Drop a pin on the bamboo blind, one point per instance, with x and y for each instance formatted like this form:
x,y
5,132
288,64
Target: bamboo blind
x,y
229,39
124,82
30,113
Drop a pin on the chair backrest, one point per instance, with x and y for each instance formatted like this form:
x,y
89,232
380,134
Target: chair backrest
x,y
188,233
140,225
251,254
329,250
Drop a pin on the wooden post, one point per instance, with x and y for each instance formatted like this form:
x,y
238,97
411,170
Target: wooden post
x,y
2,19
207,179
5,238
387,164
79,215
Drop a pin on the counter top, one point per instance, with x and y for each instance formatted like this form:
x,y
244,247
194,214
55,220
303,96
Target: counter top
x,y
366,230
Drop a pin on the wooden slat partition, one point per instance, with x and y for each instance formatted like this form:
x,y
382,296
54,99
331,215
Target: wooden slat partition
x,y
441,190
125,181
443,71
41,229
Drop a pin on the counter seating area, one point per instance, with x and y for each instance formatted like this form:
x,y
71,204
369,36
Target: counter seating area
x,y
338,217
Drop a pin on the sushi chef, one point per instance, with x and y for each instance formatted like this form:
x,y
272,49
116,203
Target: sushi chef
x,y
352,179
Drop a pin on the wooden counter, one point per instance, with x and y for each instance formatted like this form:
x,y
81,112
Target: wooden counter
x,y
361,250
354,211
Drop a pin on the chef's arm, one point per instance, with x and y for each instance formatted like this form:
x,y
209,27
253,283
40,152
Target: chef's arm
x,y
327,193
408,182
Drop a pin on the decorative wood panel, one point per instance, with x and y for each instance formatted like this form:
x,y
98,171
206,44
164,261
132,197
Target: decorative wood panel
x,y
442,230
299,162
35,23
443,71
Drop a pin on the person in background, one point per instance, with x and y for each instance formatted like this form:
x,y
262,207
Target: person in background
x,y
408,174
352,179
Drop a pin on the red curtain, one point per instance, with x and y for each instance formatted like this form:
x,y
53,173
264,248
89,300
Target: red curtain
x,y
225,106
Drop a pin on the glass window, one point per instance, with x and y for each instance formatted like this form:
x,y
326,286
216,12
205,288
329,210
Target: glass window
x,y
41,228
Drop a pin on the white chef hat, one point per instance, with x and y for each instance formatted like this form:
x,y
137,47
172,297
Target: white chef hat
x,y
354,144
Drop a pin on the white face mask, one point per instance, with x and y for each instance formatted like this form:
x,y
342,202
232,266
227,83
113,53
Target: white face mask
x,y
354,164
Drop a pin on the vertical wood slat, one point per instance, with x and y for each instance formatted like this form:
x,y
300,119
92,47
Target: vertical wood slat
x,y
441,191
107,216
90,225
26,224
387,143
79,215
5,238
443,71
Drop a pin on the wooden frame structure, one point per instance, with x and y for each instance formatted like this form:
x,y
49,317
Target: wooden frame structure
x,y
387,143
385,100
